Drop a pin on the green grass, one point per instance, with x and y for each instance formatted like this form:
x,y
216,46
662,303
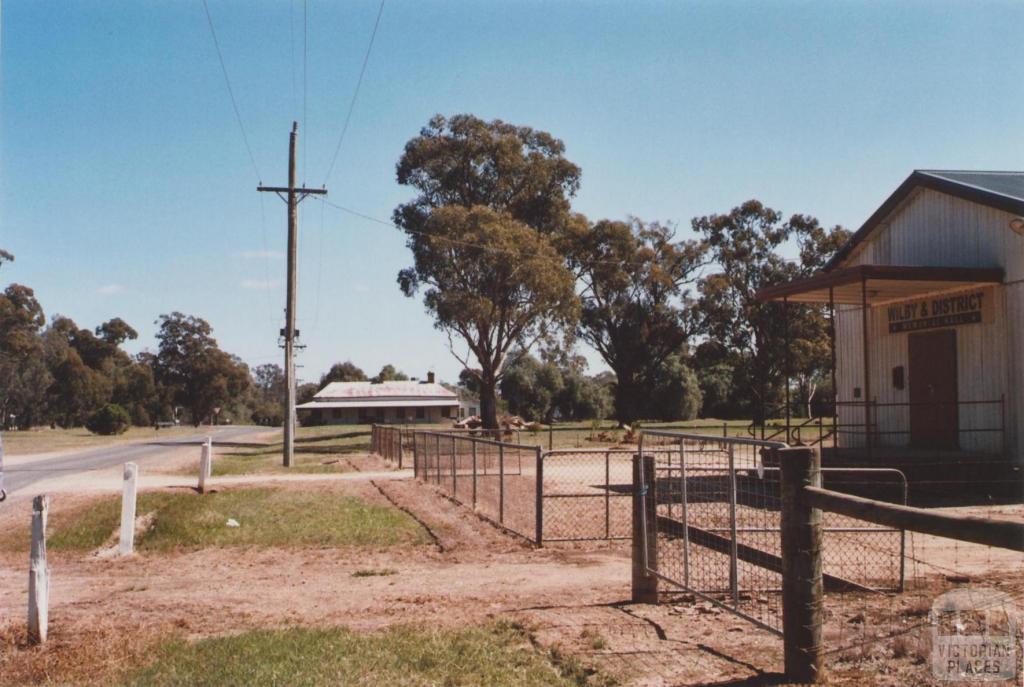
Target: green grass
x,y
318,450
45,440
498,655
268,517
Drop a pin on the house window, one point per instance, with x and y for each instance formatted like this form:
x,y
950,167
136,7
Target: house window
x,y
420,413
446,412
336,413
362,414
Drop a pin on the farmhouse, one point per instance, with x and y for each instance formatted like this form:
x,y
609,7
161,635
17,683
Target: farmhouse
x,y
393,402
927,305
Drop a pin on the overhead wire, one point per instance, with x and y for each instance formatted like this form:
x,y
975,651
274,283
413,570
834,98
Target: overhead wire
x,y
305,68
445,239
355,92
231,92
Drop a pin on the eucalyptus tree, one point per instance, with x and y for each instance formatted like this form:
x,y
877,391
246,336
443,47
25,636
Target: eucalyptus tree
x,y
492,201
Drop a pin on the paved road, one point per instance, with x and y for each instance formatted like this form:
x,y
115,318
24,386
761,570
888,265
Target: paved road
x,y
18,477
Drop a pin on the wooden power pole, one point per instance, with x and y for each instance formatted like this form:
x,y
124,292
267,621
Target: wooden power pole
x,y
292,196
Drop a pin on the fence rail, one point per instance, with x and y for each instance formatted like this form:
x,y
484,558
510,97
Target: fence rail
x,y
717,522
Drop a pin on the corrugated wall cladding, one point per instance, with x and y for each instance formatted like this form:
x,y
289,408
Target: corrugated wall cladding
x,y
934,229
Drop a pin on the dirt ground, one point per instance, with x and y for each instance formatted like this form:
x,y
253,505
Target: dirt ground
x,y
107,614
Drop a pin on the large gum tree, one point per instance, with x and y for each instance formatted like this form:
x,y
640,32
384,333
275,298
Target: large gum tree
x,y
492,200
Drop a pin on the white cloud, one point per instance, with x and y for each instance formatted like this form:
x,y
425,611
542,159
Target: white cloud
x,y
252,254
109,289
261,284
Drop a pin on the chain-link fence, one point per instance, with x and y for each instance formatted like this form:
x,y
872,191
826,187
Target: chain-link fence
x,y
718,525
497,479
390,444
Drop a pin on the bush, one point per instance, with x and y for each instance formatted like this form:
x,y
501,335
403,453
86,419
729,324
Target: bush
x,y
109,420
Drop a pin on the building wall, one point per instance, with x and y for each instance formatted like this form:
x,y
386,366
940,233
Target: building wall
x,y
351,416
934,229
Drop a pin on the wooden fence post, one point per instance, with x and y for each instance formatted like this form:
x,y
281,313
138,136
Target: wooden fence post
x,y
127,543
802,592
39,574
645,550
205,463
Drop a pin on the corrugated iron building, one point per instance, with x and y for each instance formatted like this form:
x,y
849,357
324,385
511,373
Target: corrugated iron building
x,y
384,402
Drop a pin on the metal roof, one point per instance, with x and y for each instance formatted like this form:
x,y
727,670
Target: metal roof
x,y
1001,190
381,403
879,284
383,390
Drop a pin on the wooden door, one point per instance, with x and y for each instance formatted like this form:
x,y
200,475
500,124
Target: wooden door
x,y
934,416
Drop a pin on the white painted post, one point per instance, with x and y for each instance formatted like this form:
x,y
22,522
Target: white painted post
x,y
38,573
131,474
205,461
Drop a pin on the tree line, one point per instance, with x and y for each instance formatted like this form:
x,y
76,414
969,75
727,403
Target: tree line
x,y
60,374
504,265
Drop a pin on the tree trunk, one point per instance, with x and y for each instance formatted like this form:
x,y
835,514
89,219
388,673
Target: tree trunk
x,y
627,399
488,400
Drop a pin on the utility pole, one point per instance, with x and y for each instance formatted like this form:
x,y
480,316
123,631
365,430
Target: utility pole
x,y
292,196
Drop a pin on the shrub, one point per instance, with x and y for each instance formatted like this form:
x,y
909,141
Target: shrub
x,y
109,420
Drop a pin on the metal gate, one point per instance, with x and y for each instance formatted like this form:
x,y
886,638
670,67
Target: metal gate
x,y
716,519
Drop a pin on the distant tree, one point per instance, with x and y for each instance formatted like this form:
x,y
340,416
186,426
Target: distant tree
x,y
116,331
674,393
77,390
531,388
200,375
492,196
745,246
268,405
343,372
388,373
5,257
583,397
306,392
635,303
110,419
135,390
21,317
470,380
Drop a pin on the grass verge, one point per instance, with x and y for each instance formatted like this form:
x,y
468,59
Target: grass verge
x,y
317,450
266,517
498,655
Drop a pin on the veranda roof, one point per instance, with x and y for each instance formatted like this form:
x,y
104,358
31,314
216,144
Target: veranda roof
x,y
880,284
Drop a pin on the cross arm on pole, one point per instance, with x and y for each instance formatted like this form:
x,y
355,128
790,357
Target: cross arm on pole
x,y
301,192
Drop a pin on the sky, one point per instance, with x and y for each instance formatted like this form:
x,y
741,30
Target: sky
x,y
127,190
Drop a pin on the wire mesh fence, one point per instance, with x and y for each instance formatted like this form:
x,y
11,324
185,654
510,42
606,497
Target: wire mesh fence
x,y
718,525
389,443
497,479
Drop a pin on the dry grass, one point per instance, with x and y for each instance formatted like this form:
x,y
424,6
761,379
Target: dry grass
x,y
53,440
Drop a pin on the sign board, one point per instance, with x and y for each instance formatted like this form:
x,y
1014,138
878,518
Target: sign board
x,y
932,312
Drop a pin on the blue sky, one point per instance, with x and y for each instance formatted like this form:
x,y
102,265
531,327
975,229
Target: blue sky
x,y
127,190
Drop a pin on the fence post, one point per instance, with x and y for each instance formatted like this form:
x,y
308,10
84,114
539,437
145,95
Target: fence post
x,y
38,573
473,444
205,459
645,549
539,524
734,575
455,472
802,601
608,494
127,542
551,437
501,484
401,450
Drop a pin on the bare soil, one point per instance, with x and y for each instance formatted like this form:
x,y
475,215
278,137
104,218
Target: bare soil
x,y
107,614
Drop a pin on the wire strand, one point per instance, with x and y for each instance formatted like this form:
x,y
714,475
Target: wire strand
x,y
231,92
355,93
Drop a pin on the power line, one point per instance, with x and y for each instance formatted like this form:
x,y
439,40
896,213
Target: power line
x,y
305,67
451,241
355,93
231,93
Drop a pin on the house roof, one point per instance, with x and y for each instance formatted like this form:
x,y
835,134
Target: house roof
x,y
1000,190
382,403
347,391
